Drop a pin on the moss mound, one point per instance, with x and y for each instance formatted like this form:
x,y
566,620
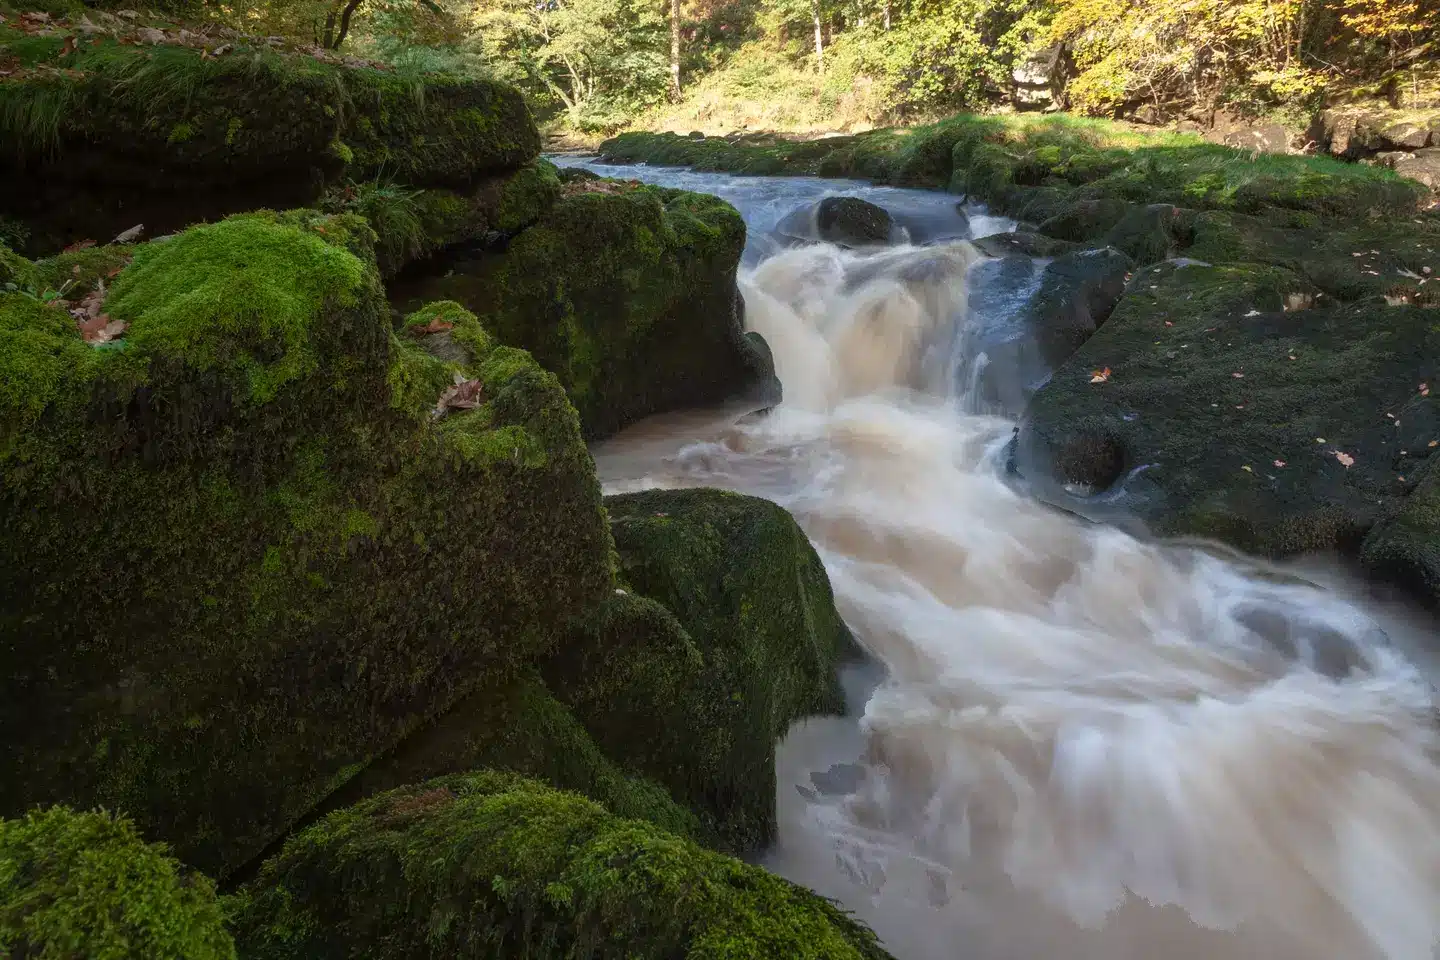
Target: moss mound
x,y
1237,411
99,132
85,885
515,724
491,865
626,293
260,538
701,710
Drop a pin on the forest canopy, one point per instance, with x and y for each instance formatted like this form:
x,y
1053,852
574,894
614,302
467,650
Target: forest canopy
x,y
601,65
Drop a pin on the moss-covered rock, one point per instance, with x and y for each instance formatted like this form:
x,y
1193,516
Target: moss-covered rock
x,y
628,294
85,886
515,724
1234,412
15,270
412,224
490,865
701,711
99,135
1404,549
260,538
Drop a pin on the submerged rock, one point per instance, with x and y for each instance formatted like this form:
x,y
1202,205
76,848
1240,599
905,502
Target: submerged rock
x,y
258,539
1212,402
86,885
490,864
702,713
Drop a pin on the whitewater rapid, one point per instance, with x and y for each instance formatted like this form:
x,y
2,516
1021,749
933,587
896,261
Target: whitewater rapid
x,y
1076,742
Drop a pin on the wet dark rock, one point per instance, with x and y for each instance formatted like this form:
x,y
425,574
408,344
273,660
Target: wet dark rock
x,y
1224,414
845,221
1078,291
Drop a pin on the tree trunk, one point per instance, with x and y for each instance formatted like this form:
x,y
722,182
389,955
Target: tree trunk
x,y
675,50
887,16
345,15
819,37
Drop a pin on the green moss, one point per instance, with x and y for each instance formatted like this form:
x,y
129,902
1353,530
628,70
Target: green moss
x,y
252,558
121,130
628,297
526,196
239,294
85,885
15,270
82,270
701,710
489,864
516,725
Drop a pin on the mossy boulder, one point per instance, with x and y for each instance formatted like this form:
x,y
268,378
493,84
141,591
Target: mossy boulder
x,y
1234,410
515,724
99,135
628,294
261,538
85,886
489,865
413,224
701,711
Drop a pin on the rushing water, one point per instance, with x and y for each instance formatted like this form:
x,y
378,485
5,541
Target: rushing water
x,y
1080,743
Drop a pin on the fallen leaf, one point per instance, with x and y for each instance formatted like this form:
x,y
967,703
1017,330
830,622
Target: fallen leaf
x,y
1402,479
434,326
1279,463
1169,323
1433,443
1424,389
1345,459
131,235
462,395
1247,469
1319,439
1099,376
1238,376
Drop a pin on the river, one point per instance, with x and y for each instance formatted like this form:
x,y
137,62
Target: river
x,y
1077,742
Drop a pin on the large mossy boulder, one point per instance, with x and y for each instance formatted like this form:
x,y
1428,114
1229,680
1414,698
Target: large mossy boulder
x,y
491,865
104,129
701,711
85,886
1216,401
628,294
260,538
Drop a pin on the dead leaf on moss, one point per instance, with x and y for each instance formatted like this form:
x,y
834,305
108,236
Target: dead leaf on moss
x,y
1345,459
434,326
1100,376
461,395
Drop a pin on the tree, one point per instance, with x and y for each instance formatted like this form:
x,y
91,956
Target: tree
x,y
675,49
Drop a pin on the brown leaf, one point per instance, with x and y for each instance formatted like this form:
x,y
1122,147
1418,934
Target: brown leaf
x,y
1099,376
461,395
68,47
434,326
1345,459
